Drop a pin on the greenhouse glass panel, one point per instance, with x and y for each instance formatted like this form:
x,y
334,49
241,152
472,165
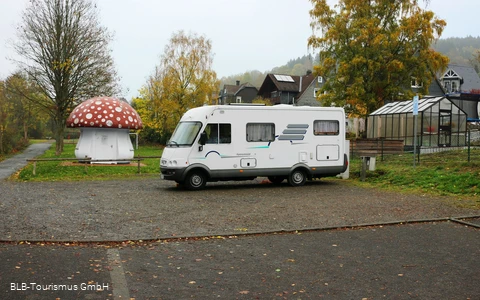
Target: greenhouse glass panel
x,y
395,126
388,126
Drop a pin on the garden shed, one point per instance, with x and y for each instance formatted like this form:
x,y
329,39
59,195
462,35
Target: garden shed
x,y
440,123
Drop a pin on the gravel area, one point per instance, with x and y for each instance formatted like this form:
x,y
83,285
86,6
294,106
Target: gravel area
x,y
140,209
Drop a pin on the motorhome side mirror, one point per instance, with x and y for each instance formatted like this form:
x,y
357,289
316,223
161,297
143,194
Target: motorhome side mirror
x,y
203,138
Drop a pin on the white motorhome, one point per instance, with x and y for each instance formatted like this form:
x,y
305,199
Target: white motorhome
x,y
230,142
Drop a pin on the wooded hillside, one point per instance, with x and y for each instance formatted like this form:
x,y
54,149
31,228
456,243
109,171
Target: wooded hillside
x,y
460,51
298,66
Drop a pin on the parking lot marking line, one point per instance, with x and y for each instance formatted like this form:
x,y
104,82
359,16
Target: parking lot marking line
x,y
119,282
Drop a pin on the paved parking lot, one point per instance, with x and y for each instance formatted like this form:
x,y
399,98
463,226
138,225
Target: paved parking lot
x,y
147,239
151,209
436,260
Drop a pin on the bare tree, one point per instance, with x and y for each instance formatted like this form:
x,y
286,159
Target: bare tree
x,y
64,50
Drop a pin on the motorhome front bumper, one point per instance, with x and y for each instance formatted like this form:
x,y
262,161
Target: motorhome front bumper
x,y
172,174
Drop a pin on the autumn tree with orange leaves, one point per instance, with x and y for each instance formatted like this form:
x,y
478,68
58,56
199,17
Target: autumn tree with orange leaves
x,y
184,79
371,50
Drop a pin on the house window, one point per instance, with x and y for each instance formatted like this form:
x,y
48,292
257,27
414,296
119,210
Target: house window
x,y
326,127
446,85
416,83
218,133
454,87
239,99
316,92
320,79
260,132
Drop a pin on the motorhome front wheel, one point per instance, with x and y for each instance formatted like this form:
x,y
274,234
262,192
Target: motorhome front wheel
x,y
195,180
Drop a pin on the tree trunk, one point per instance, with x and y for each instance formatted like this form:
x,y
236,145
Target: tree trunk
x,y
1,139
25,129
59,131
59,141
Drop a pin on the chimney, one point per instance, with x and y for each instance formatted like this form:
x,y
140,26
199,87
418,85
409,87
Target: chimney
x,y
238,82
300,86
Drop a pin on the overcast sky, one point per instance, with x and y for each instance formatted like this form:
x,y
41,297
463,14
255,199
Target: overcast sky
x,y
245,34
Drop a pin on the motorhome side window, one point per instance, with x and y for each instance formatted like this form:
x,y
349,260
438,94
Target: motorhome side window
x,y
260,132
218,133
326,127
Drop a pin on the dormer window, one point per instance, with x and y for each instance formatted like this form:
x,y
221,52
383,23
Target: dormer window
x,y
446,85
454,87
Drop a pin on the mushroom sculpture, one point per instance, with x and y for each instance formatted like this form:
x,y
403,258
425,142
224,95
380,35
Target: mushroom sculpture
x,y
105,124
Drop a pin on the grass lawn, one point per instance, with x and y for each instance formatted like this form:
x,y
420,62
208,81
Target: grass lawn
x,y
71,171
441,174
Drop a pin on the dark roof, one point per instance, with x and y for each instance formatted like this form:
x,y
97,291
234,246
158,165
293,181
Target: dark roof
x,y
470,78
306,82
285,86
245,86
233,89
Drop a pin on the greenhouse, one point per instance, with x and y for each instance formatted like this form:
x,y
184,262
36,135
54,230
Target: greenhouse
x,y
440,123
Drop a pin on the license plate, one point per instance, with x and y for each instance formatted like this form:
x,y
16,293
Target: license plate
x,y
161,176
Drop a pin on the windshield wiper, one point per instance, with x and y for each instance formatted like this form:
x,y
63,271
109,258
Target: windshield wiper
x,y
171,142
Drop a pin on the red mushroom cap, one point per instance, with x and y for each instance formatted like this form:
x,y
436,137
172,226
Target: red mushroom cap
x,y
105,112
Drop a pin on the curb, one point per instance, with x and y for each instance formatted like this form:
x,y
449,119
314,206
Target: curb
x,y
458,219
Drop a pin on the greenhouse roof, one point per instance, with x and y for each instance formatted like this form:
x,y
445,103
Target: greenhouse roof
x,y
402,107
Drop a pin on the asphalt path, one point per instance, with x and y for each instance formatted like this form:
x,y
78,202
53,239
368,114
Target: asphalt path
x,y
17,162
147,239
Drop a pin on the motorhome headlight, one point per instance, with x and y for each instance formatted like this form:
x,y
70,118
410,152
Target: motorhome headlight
x,y
168,163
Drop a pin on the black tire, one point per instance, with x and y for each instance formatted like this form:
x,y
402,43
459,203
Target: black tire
x,y
276,179
297,177
195,180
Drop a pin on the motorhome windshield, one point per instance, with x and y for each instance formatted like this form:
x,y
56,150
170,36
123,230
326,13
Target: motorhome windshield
x,y
184,134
